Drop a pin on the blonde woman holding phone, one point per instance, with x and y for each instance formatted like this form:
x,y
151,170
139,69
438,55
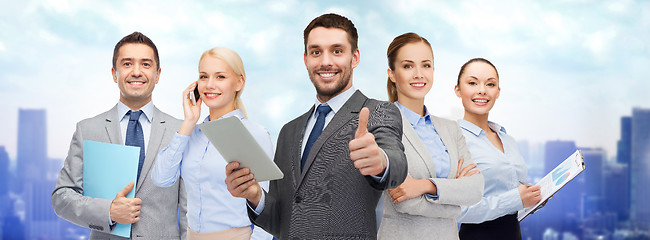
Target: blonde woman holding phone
x,y
212,213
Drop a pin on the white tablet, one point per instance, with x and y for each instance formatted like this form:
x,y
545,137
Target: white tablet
x,y
235,143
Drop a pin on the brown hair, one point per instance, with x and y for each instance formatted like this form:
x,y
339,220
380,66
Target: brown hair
x,y
397,43
332,20
462,68
136,37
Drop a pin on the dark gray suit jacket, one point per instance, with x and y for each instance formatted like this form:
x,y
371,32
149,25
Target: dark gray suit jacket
x,y
161,207
330,199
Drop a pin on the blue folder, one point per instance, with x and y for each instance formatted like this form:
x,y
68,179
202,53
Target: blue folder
x,y
107,169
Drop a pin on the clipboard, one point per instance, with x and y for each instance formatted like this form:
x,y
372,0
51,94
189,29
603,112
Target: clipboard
x,y
555,180
235,143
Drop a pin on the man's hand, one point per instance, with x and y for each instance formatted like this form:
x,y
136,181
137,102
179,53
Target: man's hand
x,y
125,210
240,183
364,151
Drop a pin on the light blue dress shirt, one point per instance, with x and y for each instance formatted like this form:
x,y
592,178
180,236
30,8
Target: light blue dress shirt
x,y
210,206
429,136
502,172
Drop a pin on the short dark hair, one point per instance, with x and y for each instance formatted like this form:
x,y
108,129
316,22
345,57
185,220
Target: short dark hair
x,y
332,20
136,37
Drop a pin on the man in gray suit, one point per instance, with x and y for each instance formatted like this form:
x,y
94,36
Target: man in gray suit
x,y
336,158
155,213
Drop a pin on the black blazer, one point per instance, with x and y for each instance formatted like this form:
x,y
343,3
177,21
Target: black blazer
x,y
330,199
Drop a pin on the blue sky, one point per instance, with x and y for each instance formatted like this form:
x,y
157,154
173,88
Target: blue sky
x,y
569,69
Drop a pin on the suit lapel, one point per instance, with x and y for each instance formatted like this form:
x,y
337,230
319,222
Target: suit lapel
x,y
113,127
301,125
447,139
412,137
348,111
158,130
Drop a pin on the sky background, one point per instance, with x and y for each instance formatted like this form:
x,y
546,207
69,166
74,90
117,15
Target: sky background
x,y
568,69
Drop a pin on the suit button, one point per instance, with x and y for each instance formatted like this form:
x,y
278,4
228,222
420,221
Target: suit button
x,y
298,199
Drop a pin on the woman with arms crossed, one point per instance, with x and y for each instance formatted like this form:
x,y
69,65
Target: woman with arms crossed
x,y
497,156
212,213
439,179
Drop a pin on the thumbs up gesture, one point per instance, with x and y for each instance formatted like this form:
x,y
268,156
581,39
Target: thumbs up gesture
x,y
364,151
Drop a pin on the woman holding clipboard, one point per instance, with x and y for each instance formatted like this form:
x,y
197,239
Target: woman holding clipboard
x,y
496,155
212,213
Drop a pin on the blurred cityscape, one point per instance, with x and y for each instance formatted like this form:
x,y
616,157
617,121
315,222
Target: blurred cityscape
x,y
603,202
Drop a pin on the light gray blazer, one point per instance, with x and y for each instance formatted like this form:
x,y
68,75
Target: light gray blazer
x,y
423,217
161,207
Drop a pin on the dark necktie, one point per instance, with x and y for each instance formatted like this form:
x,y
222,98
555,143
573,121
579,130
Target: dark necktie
x,y
135,137
323,110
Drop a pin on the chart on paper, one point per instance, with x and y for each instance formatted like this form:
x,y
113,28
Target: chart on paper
x,y
556,179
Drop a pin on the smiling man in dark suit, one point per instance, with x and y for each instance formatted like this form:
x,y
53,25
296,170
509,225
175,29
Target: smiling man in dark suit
x,y
336,158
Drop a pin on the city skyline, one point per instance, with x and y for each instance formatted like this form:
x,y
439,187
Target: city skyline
x,y
582,206
568,70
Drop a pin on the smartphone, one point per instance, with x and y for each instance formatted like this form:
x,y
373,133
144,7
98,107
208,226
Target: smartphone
x,y
194,95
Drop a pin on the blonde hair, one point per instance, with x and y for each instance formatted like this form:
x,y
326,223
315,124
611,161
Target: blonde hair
x,y
234,61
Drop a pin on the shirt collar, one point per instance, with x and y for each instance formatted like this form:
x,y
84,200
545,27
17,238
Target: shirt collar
x,y
336,103
496,127
237,112
412,116
147,109
476,130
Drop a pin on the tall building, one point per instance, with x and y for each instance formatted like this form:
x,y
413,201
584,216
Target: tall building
x,y
624,156
593,199
624,145
4,173
5,211
640,167
40,220
616,181
32,144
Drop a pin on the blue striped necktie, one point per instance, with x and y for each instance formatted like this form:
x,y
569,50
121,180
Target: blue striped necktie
x,y
135,137
323,110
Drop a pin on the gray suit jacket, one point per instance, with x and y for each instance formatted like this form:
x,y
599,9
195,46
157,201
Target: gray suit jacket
x,y
161,207
423,217
330,199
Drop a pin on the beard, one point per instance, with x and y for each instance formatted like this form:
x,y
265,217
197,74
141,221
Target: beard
x,y
329,90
